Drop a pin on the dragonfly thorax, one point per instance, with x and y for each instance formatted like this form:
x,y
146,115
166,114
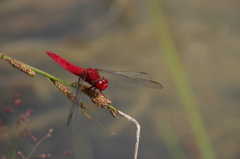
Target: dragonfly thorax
x,y
92,77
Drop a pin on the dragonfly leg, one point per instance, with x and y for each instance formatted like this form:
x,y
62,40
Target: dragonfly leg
x,y
95,90
89,90
92,93
102,93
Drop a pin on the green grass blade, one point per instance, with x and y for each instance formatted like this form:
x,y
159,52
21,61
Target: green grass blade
x,y
180,79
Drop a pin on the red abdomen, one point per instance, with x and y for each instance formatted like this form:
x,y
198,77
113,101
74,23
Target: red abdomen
x,y
65,64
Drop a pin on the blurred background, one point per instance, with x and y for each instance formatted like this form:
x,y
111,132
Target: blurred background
x,y
190,47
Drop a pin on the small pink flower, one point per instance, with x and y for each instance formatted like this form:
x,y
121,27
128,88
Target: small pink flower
x,y
20,154
9,110
27,133
49,135
26,115
17,100
44,155
17,96
67,152
49,155
30,111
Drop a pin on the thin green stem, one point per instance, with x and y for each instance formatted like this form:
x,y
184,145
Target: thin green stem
x,y
15,140
36,145
50,76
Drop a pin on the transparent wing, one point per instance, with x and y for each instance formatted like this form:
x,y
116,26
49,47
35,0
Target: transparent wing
x,y
73,117
74,113
128,78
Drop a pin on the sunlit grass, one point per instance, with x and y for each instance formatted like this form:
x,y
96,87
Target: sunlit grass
x,y
179,75
169,136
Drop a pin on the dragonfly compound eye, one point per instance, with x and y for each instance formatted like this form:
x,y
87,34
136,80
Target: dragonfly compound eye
x,y
101,84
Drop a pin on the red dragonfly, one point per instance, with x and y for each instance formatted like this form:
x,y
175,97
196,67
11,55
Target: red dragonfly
x,y
98,79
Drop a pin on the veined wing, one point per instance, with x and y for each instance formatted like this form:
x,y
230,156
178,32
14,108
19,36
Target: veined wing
x,y
73,117
74,113
128,78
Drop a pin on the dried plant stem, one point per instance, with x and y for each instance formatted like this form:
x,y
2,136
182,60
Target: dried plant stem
x,y
137,132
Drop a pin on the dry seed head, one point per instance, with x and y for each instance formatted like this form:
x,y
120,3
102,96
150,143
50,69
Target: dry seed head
x,y
113,112
22,67
19,65
65,91
97,97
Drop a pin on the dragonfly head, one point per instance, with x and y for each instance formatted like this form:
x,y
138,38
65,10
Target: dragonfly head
x,y
101,84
